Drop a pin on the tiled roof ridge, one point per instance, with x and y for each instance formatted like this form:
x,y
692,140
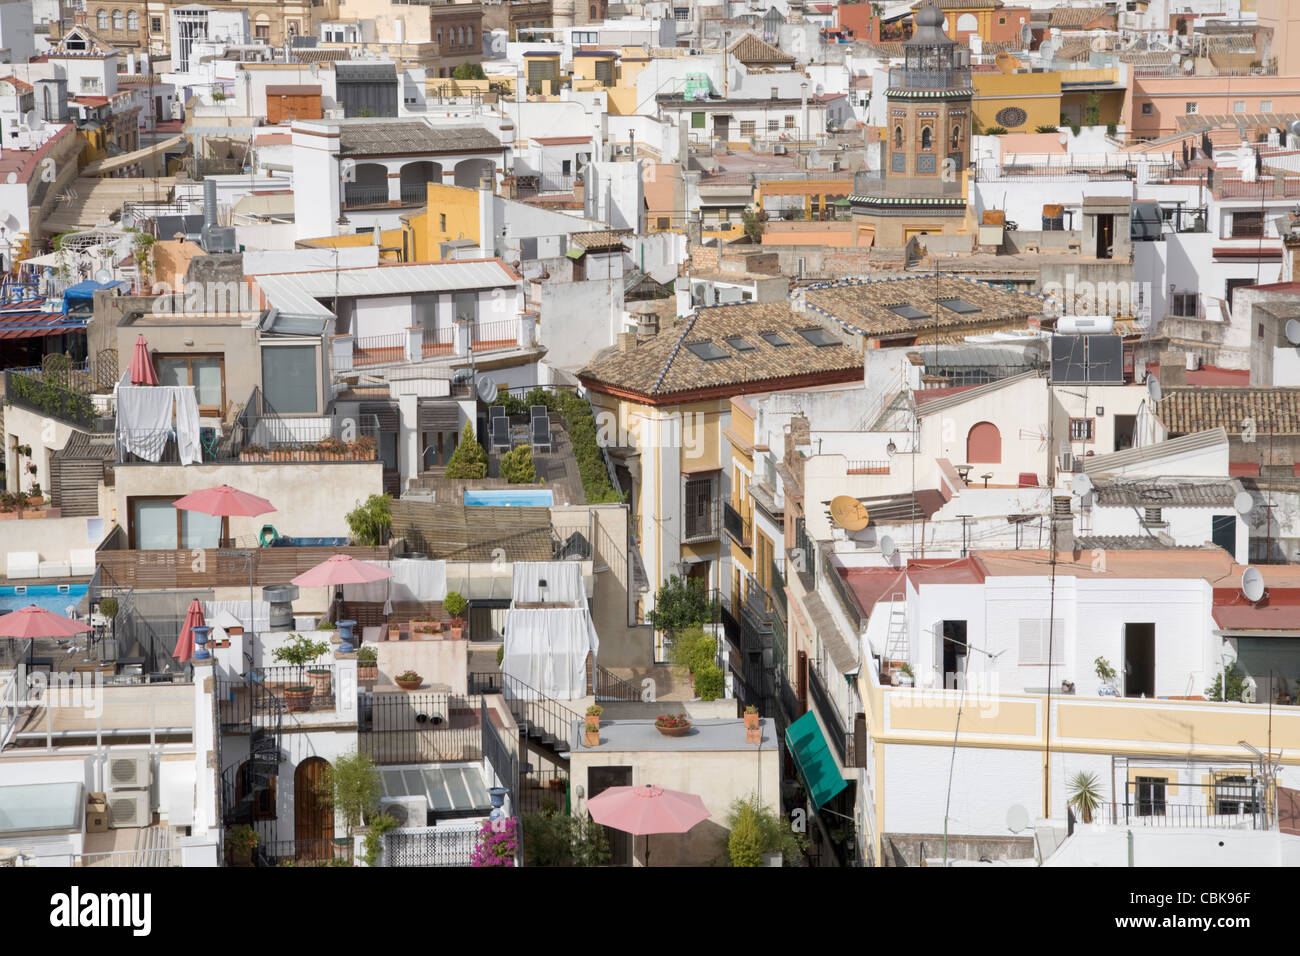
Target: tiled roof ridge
x,y
672,355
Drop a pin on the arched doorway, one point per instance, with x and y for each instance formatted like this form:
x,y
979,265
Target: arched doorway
x,y
415,180
470,171
984,444
313,809
368,186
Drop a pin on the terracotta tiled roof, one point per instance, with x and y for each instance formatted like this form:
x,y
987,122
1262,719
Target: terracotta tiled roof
x,y
1076,18
1275,411
18,84
602,241
749,50
665,365
310,55
865,307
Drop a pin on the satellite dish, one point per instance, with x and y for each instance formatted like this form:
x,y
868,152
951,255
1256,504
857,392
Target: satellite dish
x,y
103,275
1293,331
1080,486
1153,389
887,546
1228,653
1244,503
487,389
1017,818
1252,584
849,513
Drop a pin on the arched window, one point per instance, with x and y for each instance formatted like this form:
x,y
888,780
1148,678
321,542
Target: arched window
x,y
956,137
469,35
118,20
460,36
927,137
101,20
984,444
898,137
132,20
966,23
594,14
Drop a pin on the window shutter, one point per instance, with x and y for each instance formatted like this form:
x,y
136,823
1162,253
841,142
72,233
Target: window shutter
x,y
1031,645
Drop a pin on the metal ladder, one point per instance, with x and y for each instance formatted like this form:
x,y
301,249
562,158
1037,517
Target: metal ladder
x,y
896,642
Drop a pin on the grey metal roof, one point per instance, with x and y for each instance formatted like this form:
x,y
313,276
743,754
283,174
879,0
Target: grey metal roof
x,y
1134,542
296,293
83,445
960,398
1164,492
379,138
366,72
1101,464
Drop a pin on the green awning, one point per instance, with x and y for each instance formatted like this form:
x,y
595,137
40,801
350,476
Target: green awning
x,y
576,253
821,776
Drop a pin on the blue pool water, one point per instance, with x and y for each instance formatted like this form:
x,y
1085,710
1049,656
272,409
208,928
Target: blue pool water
x,y
47,596
521,498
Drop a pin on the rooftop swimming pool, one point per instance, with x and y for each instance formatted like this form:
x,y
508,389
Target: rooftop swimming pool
x,y
52,597
525,497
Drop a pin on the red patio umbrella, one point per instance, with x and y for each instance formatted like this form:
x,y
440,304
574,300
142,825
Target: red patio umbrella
x,y
185,643
32,622
224,501
642,811
341,569
142,371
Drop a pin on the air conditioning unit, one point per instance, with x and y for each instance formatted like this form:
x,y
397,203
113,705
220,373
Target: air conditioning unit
x,y
407,811
779,149
129,809
128,772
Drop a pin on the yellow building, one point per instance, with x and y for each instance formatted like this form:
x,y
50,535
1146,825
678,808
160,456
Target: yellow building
x,y
1018,102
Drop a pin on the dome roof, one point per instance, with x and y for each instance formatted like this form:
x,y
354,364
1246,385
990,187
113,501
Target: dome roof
x,y
929,15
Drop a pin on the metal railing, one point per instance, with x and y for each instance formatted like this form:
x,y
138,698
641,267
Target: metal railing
x,y
151,856
494,336
49,398
321,851
500,755
415,194
398,728
1232,803
848,603
609,686
429,846
736,525
533,711
357,197
840,738
321,678
441,341
379,349
864,466
911,79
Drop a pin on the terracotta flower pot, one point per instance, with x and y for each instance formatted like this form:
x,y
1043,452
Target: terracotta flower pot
x,y
367,672
674,731
298,699
410,684
591,737
751,721
320,681
753,736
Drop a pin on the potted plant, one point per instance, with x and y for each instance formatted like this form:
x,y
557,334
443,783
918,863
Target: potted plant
x,y
593,715
591,735
299,652
35,497
319,677
457,627
408,680
905,676
253,453
1106,674
8,505
672,725
560,781
367,665
241,841
751,717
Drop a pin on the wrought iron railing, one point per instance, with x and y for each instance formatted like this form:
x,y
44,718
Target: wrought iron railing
x,y
49,398
494,336
840,589
396,728
356,197
500,755
538,713
736,525
429,846
322,851
840,738
912,79
379,349
610,686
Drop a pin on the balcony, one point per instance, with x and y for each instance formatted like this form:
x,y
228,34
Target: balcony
x,y
738,527
700,514
365,197
848,749
402,728
905,79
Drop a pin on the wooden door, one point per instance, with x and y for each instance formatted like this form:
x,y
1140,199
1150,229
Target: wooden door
x,y
313,810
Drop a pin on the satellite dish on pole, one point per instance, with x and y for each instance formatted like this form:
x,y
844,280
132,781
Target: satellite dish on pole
x,y
1293,331
103,275
487,389
1080,486
849,513
1244,503
1153,389
1252,584
887,547
1017,818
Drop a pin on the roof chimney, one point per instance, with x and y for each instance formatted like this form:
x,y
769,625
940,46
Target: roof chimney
x,y
1173,368
209,203
626,341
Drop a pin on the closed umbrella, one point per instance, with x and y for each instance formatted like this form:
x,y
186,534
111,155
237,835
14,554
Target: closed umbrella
x,y
185,643
337,571
142,371
642,811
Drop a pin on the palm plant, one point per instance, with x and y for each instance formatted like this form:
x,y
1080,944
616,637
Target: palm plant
x,y
1085,794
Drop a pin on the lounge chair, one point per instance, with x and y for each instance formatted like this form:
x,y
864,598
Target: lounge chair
x,y
541,434
497,411
538,411
500,433
54,569
82,561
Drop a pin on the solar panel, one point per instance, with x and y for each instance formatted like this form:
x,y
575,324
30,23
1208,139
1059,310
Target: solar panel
x,y
1084,359
907,311
818,336
774,340
960,306
709,351
740,343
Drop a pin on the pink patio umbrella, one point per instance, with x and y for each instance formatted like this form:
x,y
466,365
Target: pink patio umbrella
x,y
32,622
642,811
185,643
142,372
338,570
225,502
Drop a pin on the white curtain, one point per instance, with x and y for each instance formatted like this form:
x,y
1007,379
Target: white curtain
x,y
413,581
145,415
563,583
546,649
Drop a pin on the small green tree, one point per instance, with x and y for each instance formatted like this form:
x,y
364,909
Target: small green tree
x,y
745,845
710,682
1085,795
775,834
1045,129
299,652
680,603
468,71
469,460
1236,684
371,522
1092,111
373,845
754,221
694,649
354,782
588,844
455,604
517,466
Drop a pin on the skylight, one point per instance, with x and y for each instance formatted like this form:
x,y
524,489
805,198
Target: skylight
x,y
774,340
740,343
709,351
960,306
907,311
818,336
